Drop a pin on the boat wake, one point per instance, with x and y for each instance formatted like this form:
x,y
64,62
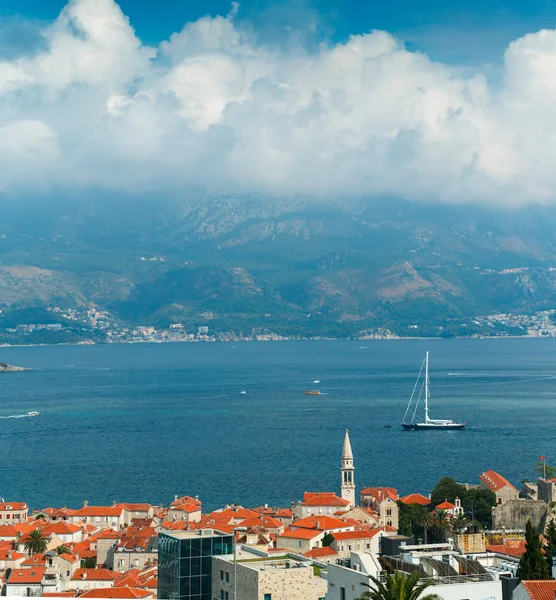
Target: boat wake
x,y
29,414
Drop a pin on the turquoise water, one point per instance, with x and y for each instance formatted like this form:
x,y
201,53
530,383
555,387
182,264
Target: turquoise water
x,y
146,421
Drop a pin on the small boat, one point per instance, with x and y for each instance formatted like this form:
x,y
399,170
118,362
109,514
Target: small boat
x,y
387,426
429,423
243,392
33,413
312,393
316,381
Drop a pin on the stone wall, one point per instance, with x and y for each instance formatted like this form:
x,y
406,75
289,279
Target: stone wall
x,y
471,542
514,514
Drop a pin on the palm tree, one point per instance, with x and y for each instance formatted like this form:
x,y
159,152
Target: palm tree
x,y
442,523
459,523
425,520
63,550
35,542
399,587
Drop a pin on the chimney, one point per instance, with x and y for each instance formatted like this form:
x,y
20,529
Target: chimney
x,y
266,505
10,554
175,498
114,503
84,574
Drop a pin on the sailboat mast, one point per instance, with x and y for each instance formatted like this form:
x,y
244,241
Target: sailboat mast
x,y
427,388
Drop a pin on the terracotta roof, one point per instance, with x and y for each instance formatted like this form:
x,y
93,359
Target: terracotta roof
x,y
23,576
416,499
323,499
8,531
94,575
59,594
186,500
36,559
5,554
59,528
360,534
233,513
495,481
320,522
106,534
133,531
134,507
9,506
262,521
117,592
300,534
540,590
322,553
187,507
512,548
98,511
284,513
446,505
381,493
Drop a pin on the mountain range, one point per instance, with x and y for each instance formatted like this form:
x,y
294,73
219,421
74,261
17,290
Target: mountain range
x,y
293,266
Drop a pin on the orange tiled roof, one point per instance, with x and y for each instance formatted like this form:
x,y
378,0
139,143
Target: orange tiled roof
x,y
540,590
94,575
300,534
320,552
98,511
285,513
186,500
320,522
446,505
262,521
59,594
187,507
323,499
495,481
8,531
133,531
5,554
9,506
360,534
36,559
416,499
233,513
134,507
117,592
59,528
381,493
22,576
106,534
513,548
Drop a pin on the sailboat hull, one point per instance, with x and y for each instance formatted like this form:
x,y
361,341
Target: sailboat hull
x,y
436,426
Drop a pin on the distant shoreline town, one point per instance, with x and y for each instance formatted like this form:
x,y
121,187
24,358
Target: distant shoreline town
x,y
91,326
466,539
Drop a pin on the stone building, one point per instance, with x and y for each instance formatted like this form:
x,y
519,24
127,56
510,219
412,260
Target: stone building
x,y
282,578
504,490
348,473
383,500
514,514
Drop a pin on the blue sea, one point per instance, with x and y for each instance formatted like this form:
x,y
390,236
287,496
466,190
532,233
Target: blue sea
x,y
144,422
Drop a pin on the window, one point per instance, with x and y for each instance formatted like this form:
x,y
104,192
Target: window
x,y
221,576
226,596
389,523
268,597
389,512
342,593
499,502
227,578
221,592
300,543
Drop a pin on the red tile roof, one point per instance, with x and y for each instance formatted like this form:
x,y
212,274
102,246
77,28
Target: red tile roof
x,y
9,506
300,534
37,559
117,592
446,505
134,507
381,493
94,575
495,481
416,499
285,513
262,521
8,531
59,594
233,513
58,527
98,511
361,534
9,554
185,500
321,553
320,522
512,548
187,507
323,499
24,576
540,590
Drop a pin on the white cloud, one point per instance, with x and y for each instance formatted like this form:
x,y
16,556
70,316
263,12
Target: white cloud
x,y
214,106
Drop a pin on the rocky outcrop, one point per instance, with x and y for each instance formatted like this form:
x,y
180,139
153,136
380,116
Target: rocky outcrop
x,y
6,368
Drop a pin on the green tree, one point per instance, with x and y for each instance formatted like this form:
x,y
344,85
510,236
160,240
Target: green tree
x,y
425,519
327,539
477,504
550,546
35,542
532,565
459,523
442,523
447,489
89,563
540,467
398,587
63,550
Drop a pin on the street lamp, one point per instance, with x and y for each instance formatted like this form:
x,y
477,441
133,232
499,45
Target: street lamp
x,y
235,559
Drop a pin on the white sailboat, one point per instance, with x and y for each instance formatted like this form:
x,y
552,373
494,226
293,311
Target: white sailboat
x,y
428,423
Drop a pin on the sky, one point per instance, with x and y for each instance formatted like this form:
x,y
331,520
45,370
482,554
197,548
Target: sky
x,y
449,101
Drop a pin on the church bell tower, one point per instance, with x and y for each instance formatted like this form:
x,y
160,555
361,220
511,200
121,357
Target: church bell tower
x,y
348,481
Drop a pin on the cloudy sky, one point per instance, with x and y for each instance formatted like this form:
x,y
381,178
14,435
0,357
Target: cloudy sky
x,y
411,100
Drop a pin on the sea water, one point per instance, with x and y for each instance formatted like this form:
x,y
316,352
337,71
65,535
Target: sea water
x,y
145,422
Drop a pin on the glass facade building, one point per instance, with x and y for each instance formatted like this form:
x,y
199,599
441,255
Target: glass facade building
x,y
185,563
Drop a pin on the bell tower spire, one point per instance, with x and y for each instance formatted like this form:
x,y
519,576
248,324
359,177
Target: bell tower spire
x,y
348,481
